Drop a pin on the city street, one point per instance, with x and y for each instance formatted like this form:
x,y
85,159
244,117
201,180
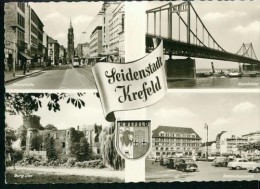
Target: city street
x,y
206,172
61,77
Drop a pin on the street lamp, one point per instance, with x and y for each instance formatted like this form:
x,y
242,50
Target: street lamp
x,y
207,128
15,48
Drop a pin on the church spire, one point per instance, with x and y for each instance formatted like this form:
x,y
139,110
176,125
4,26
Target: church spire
x,y
70,23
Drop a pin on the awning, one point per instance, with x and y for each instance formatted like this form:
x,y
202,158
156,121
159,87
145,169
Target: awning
x,y
25,55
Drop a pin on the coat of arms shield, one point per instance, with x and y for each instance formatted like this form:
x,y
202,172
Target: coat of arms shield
x,y
133,138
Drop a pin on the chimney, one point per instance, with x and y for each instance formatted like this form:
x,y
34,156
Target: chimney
x,y
78,127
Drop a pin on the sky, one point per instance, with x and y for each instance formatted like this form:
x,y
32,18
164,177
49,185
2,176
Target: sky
x,y
231,23
237,113
69,116
56,18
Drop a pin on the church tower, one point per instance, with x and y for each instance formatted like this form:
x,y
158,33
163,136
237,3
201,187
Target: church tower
x,y
70,43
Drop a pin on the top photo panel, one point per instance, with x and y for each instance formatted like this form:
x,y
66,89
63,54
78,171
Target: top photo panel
x,y
206,44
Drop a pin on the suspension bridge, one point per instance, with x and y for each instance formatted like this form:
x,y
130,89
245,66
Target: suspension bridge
x,y
197,42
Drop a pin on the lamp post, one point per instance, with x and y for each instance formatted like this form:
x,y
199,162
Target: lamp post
x,y
15,49
207,128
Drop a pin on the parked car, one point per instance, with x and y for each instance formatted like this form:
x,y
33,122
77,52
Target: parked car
x,y
172,162
164,161
254,167
239,163
221,161
186,165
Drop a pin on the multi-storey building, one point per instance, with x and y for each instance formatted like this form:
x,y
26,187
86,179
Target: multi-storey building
x,y
96,42
62,55
34,36
83,51
15,45
107,13
116,33
70,51
229,144
53,51
210,147
252,137
168,141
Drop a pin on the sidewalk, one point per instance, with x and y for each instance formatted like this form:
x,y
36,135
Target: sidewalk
x,y
19,74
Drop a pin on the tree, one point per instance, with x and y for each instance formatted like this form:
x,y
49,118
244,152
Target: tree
x,y
36,142
22,133
50,149
27,103
109,154
10,137
83,153
50,127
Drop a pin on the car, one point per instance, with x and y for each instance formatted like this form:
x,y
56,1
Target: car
x,y
164,161
186,165
254,167
221,161
239,163
172,162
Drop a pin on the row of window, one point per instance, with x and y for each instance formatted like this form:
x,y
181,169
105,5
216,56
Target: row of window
x,y
20,35
34,18
166,149
176,144
177,135
34,29
20,20
21,6
175,140
34,40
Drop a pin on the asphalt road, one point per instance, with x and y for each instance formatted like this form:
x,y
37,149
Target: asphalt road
x,y
205,172
63,77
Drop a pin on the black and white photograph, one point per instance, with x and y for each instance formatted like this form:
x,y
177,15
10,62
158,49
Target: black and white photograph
x,y
53,45
207,44
59,138
121,92
205,137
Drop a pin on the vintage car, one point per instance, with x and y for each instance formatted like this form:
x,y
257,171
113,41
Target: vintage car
x,y
186,165
254,167
172,162
221,161
164,161
239,163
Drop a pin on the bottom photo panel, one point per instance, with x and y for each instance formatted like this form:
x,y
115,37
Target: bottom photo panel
x,y
59,138
204,136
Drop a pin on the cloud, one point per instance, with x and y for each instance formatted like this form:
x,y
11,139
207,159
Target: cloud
x,y
214,16
220,122
244,107
82,19
252,27
55,16
178,112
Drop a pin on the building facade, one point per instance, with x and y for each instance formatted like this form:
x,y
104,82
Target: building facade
x,y
15,45
169,141
212,149
116,33
70,52
62,55
229,144
34,36
63,139
53,51
252,137
95,44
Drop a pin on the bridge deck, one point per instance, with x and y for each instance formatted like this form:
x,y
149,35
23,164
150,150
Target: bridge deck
x,y
180,48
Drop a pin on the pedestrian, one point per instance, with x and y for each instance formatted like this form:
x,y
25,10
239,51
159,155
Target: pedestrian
x,y
24,67
13,160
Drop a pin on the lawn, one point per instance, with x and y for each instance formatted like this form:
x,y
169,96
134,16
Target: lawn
x,y
37,177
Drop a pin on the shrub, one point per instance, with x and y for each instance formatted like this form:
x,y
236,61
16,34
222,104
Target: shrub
x,y
8,163
70,162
